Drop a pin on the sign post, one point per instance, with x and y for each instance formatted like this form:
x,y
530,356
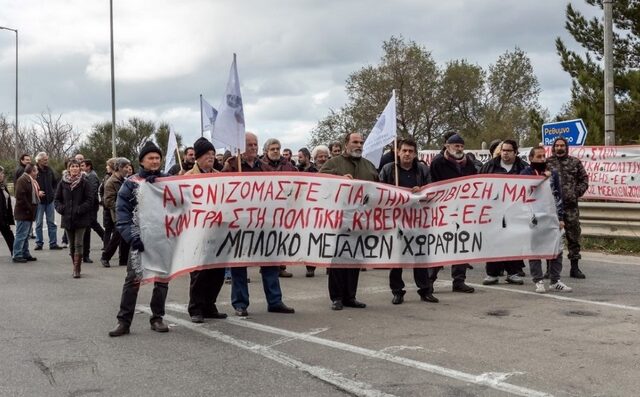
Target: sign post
x,y
574,131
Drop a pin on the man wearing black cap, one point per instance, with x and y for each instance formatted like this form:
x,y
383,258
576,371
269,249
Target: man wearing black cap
x,y
453,163
205,285
150,158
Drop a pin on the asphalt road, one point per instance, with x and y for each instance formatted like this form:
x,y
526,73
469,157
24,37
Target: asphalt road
x,y
502,340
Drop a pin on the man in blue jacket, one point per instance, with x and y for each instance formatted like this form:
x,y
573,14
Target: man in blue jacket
x,y
150,158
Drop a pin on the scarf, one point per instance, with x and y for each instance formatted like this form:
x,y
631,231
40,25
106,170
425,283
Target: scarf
x,y
73,181
35,191
460,164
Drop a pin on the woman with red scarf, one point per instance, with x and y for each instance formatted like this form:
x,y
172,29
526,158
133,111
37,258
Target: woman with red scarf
x,y
73,201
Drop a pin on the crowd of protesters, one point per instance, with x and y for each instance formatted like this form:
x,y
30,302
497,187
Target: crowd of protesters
x,y
78,194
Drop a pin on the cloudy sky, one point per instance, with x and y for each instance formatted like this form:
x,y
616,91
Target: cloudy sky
x,y
293,56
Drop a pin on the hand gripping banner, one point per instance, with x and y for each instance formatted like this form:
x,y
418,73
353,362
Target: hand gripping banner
x,y
266,219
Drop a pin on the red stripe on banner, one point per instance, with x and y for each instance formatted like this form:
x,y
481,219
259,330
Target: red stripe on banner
x,y
341,265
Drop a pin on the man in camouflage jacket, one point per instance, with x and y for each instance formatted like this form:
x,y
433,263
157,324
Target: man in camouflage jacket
x,y
575,182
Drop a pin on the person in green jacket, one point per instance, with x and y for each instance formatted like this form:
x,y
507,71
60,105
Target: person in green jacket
x,y
343,283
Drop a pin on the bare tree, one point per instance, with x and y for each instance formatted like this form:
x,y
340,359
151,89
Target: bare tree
x,y
54,136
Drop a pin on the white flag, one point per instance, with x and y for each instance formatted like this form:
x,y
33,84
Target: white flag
x,y
229,128
209,115
172,146
383,133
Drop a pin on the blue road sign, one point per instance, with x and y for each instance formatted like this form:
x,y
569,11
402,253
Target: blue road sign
x,y
574,131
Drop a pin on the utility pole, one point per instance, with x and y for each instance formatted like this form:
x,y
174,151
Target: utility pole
x,y
609,93
113,87
17,152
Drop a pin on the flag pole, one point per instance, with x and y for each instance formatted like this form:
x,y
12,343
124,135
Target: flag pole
x,y
179,159
239,160
395,146
395,158
201,123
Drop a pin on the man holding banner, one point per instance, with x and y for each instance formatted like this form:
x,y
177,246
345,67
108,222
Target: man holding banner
x,y
412,174
127,225
343,283
249,162
452,163
205,285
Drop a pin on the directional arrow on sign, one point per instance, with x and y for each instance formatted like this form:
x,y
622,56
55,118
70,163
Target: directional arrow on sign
x,y
574,131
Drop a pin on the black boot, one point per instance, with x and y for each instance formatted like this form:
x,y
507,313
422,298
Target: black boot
x,y
575,270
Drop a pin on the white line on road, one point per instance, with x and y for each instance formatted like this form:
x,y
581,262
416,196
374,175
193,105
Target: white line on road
x,y
324,374
486,379
559,297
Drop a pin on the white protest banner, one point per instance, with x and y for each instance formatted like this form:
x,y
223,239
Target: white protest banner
x,y
219,220
172,146
383,133
229,126
209,115
614,171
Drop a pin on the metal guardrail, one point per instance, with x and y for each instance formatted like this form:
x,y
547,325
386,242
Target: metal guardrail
x,y
610,219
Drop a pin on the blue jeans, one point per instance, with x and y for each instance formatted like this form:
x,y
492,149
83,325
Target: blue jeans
x,y
48,211
270,283
21,242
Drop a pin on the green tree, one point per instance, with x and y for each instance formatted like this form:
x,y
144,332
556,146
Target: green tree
x,y
587,89
461,97
130,137
161,137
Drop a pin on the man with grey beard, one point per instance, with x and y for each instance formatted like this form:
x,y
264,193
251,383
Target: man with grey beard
x,y
452,163
343,282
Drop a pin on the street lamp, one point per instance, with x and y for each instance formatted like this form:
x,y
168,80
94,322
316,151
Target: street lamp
x,y
113,88
16,125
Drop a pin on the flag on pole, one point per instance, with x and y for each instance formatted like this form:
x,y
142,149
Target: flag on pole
x,y
229,124
383,133
209,115
172,146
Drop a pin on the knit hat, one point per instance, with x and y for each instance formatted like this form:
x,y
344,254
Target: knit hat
x,y
455,139
149,147
202,146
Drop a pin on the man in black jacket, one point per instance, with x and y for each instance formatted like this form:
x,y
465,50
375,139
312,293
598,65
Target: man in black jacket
x,y
188,161
24,160
48,183
452,163
94,182
507,162
412,174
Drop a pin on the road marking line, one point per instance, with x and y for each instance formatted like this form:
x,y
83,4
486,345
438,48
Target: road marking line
x,y
559,297
485,379
324,374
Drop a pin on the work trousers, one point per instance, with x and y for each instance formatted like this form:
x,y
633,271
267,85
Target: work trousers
x,y
8,236
204,288
130,296
95,226
270,284
109,226
495,269
343,284
420,276
76,239
555,268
